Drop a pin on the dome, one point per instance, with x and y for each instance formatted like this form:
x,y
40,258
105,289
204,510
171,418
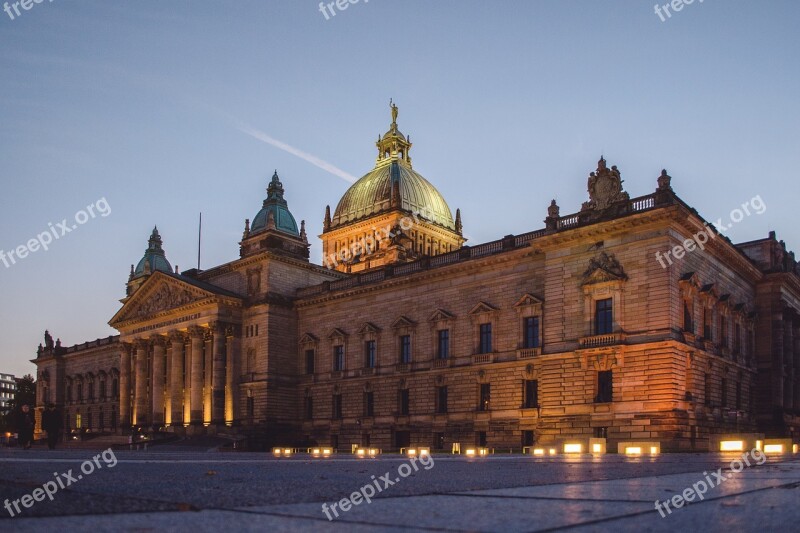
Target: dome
x,y
154,257
373,194
276,209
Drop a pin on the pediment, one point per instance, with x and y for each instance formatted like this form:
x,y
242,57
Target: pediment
x,y
439,315
308,338
337,333
602,269
528,300
368,327
482,307
403,322
158,294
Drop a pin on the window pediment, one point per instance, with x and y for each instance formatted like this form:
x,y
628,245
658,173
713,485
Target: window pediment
x,y
603,269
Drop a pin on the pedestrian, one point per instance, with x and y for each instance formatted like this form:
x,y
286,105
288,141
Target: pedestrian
x,y
25,425
52,422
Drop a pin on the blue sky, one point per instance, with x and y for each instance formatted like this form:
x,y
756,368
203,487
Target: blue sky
x,y
509,104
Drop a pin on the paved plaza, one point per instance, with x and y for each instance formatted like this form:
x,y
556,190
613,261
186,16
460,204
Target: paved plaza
x,y
185,488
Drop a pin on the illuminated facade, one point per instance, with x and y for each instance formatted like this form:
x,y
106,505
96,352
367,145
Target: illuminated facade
x,y
574,330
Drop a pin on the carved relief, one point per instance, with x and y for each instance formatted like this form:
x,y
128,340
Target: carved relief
x,y
605,188
165,297
602,268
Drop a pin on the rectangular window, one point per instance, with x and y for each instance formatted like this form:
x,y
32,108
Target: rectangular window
x,y
405,349
485,397
403,402
688,323
370,354
338,358
251,407
438,441
531,394
605,389
707,389
737,338
724,393
441,399
336,409
443,346
369,403
309,361
531,329
527,438
486,338
308,407
738,395
603,317
723,331
481,438
708,316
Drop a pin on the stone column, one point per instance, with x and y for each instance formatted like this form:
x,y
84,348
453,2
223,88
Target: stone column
x,y
157,381
232,348
788,361
125,385
218,378
140,399
196,377
176,377
168,383
796,400
208,356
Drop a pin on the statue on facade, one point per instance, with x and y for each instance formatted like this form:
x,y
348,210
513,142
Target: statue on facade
x,y
604,187
48,340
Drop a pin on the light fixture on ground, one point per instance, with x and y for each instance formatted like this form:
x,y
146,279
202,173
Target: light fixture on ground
x,y
476,452
639,448
321,452
418,451
282,452
361,453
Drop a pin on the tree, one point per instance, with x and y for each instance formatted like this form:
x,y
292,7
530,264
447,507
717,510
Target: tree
x,y
25,394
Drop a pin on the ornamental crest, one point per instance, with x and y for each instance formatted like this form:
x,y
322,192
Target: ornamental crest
x,y
605,188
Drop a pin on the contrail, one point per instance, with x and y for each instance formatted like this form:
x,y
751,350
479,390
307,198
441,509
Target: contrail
x,y
316,161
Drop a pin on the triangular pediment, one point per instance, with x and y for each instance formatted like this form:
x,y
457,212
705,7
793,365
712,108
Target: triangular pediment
x,y
528,299
308,338
368,327
439,315
337,333
482,307
160,293
602,269
403,322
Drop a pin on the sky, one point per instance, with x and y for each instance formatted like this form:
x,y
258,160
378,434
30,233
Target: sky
x,y
152,112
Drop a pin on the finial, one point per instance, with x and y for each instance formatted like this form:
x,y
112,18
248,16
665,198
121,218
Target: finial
x,y
458,221
303,231
394,111
176,270
326,225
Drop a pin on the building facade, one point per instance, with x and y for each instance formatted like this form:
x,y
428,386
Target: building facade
x,y
8,390
407,336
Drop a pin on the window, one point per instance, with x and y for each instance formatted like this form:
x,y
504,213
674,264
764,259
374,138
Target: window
x,y
403,402
481,439
308,407
707,389
530,394
486,338
485,397
337,407
438,441
708,317
443,346
724,393
78,421
530,327
338,358
69,393
723,331
604,386
309,361
738,395
737,338
102,391
101,423
369,403
603,317
688,323
115,388
251,407
405,349
527,438
80,393
369,354
441,399
113,418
